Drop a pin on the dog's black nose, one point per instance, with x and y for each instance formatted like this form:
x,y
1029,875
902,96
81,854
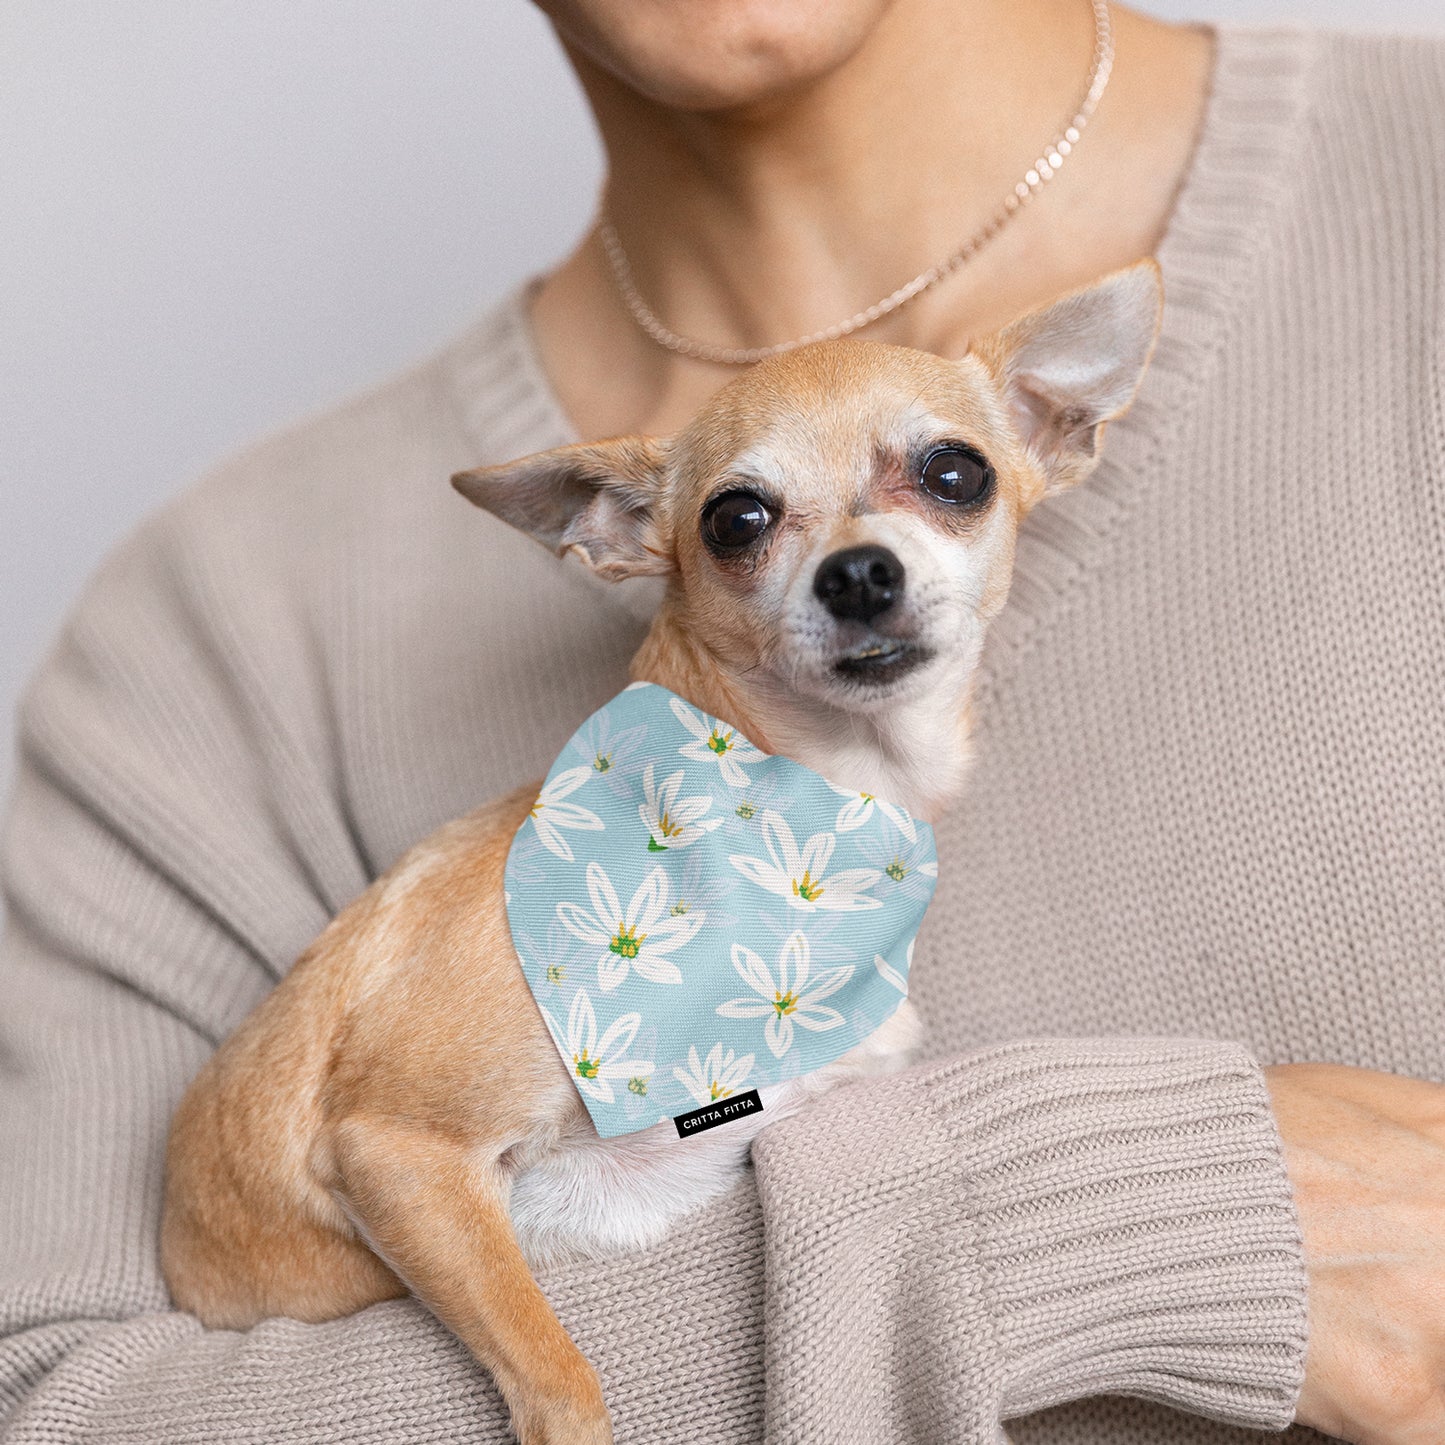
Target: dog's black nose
x,y
859,582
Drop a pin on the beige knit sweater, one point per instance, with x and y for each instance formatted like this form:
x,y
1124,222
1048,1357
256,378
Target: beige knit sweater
x,y
1205,829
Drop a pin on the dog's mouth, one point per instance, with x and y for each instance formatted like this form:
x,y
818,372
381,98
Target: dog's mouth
x,y
881,659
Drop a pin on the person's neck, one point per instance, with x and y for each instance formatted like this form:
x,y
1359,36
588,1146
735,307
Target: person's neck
x,y
750,227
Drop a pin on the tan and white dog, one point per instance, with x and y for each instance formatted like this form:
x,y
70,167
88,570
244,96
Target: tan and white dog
x,y
837,529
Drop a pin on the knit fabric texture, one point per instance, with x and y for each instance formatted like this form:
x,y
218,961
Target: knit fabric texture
x,y
675,966
1203,832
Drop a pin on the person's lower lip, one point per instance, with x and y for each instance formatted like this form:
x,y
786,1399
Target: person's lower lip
x,y
881,661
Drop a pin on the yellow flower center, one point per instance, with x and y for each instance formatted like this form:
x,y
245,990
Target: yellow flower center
x,y
627,942
806,889
717,1090
586,1068
668,827
784,1003
720,742
896,871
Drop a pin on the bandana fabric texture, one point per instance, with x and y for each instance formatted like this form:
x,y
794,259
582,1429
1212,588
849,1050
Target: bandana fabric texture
x,y
696,918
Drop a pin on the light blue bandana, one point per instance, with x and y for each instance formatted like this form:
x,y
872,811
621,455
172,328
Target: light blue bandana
x,y
697,919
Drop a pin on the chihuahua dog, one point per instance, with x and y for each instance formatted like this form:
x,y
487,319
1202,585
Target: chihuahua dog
x,y
837,528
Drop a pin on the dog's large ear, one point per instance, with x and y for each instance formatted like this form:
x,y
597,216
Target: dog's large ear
x,y
598,500
1070,367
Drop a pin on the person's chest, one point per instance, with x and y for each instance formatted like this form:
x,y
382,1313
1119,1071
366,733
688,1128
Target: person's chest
x,y
1208,789
1209,785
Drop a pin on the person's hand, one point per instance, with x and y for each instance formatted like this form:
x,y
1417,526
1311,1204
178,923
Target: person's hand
x,y
1365,1153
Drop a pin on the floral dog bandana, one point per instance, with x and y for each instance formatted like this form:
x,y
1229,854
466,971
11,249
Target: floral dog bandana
x,y
697,918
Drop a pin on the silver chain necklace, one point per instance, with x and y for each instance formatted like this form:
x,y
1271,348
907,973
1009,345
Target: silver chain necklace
x,y
1044,169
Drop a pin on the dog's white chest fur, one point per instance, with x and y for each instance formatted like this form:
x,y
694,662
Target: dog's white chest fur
x,y
591,1196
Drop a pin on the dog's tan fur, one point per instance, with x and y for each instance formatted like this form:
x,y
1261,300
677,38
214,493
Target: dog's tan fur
x,y
358,1138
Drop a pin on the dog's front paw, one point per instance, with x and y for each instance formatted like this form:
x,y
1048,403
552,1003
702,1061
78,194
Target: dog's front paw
x,y
574,1421
569,1429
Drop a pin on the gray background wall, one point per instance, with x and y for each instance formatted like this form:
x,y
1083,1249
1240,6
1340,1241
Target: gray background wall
x,y
218,216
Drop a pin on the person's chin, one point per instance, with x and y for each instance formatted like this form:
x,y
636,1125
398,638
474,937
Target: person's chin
x,y
718,56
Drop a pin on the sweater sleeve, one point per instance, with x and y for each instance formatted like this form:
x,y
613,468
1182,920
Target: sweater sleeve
x,y
958,1243
1044,1221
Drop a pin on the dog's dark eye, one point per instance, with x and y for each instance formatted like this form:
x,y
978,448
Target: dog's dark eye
x,y
957,475
733,520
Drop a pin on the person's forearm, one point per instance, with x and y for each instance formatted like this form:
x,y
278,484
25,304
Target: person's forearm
x,y
388,1375
675,1334
1366,1157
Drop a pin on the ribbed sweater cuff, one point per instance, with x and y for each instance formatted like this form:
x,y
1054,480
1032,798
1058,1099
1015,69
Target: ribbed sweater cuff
x,y
1116,1212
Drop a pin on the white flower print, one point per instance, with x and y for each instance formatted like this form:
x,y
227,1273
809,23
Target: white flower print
x,y
714,1077
639,937
789,998
552,958
800,874
610,754
904,866
859,808
889,974
550,814
701,884
767,791
717,742
673,822
596,1062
